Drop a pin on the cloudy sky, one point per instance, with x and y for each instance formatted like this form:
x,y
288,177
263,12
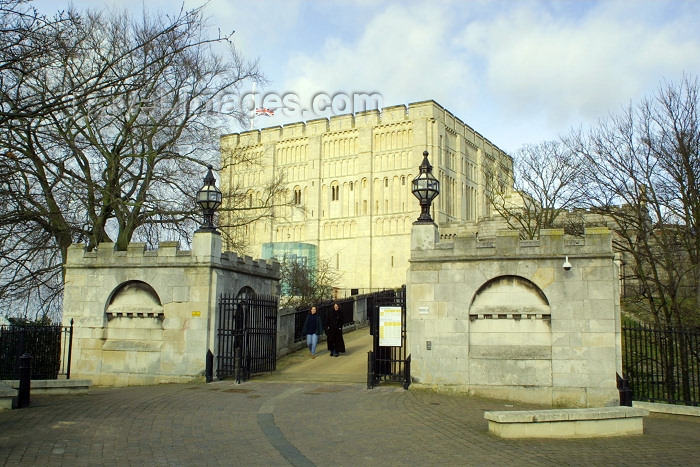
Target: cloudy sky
x,y
519,71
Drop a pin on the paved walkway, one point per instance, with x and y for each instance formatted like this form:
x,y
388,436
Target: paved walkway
x,y
311,412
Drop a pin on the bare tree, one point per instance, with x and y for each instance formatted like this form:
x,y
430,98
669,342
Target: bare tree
x,y
27,40
304,285
546,184
243,207
642,169
136,110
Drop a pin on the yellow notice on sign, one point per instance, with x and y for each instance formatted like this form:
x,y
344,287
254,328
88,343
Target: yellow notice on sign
x,y
390,326
196,313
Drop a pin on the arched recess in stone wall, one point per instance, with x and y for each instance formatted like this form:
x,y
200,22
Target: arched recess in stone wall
x,y
134,299
246,292
509,295
134,325
510,334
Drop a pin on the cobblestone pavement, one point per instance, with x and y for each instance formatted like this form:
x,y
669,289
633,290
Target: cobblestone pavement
x,y
281,420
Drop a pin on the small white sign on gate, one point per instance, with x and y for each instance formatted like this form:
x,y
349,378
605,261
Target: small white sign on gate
x,y
390,326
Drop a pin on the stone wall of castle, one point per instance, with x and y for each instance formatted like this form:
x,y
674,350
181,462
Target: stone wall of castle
x,y
149,317
501,317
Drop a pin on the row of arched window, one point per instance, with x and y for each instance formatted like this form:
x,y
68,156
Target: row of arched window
x,y
335,146
296,172
391,161
342,229
392,225
392,139
292,154
390,194
247,179
290,233
339,168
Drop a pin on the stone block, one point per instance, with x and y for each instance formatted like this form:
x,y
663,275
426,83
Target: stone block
x,y
600,309
569,397
543,276
425,277
598,272
570,325
510,352
600,290
527,269
507,242
599,339
180,293
422,294
510,372
567,366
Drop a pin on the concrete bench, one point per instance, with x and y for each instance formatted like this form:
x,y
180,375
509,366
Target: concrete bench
x,y
567,423
7,394
54,386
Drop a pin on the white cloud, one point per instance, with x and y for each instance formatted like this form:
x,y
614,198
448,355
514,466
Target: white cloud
x,y
517,72
401,54
568,68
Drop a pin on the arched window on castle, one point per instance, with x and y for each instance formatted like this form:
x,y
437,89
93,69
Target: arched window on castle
x,y
297,195
335,192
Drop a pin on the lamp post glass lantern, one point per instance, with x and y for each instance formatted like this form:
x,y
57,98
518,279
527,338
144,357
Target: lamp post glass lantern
x,y
426,188
209,198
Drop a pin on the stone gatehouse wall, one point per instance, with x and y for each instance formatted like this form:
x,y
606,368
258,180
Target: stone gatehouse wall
x,y
148,317
500,317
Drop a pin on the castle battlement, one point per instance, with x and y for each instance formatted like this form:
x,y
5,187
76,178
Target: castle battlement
x,y
506,243
391,115
167,254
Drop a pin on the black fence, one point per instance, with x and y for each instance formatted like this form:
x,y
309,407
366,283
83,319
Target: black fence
x,y
662,365
247,336
323,309
49,346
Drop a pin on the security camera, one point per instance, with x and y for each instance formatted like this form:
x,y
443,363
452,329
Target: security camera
x,y
567,264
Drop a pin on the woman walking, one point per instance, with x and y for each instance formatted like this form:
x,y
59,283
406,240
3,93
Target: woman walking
x,y
312,328
334,331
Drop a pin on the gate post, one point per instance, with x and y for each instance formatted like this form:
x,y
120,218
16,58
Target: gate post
x,y
25,380
370,370
237,357
209,372
407,373
623,386
70,348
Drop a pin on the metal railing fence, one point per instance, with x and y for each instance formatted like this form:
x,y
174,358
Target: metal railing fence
x,y
49,346
662,365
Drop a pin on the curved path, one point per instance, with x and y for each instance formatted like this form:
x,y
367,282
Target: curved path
x,y
289,419
350,367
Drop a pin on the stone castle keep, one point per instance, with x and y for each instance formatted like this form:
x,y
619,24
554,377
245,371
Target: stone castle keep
x,y
149,317
502,318
352,175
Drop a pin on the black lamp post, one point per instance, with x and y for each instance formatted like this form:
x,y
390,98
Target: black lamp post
x,y
425,188
209,198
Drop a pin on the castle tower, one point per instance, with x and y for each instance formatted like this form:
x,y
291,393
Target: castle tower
x,y
352,175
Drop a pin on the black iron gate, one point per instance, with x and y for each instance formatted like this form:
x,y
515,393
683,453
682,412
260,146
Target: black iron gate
x,y
247,335
387,363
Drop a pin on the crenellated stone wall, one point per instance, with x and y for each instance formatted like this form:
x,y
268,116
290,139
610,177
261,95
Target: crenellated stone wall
x,y
148,317
501,317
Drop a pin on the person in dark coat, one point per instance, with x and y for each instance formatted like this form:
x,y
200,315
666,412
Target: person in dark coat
x,y
334,331
312,328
